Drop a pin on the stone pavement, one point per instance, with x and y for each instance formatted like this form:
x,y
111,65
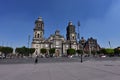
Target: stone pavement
x,y
89,70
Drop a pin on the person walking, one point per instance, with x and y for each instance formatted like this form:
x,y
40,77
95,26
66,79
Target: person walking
x,y
36,60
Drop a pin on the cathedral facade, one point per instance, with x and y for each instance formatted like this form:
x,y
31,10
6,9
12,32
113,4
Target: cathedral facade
x,y
58,41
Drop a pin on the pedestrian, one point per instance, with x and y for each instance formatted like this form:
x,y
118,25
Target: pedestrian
x,y
36,60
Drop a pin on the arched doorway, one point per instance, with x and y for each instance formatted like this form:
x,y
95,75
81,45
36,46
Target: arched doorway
x,y
57,53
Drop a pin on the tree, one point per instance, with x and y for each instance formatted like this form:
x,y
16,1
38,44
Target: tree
x,y
117,51
51,52
93,52
31,51
6,50
79,52
71,51
19,51
109,52
43,50
101,52
0,48
22,51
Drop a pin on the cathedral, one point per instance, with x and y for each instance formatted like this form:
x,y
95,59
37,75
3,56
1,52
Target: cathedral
x,y
58,41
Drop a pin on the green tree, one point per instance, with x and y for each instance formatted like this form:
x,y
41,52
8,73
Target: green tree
x,y
18,50
117,51
109,52
51,52
22,51
0,48
31,51
79,52
102,51
93,52
43,50
71,51
6,50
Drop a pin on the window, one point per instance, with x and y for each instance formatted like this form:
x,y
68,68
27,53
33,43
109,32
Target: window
x,y
73,37
35,34
38,35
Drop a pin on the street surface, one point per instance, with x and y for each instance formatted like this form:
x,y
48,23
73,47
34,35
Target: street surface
x,y
61,69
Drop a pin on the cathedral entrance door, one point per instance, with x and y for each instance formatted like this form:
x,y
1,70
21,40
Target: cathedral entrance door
x,y
57,53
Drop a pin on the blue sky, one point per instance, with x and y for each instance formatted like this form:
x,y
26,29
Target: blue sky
x,y
99,19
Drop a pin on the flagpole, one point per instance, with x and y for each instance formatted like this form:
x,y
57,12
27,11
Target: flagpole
x,y
79,40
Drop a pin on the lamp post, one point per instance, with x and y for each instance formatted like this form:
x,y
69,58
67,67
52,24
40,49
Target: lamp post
x,y
28,40
89,48
83,43
62,49
70,44
81,58
28,45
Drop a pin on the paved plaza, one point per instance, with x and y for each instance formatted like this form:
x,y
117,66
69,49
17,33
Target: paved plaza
x,y
88,70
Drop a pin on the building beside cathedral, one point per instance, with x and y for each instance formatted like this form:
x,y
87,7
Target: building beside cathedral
x,y
59,42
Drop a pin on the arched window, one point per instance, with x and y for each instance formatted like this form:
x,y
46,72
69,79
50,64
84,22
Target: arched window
x,y
73,37
38,35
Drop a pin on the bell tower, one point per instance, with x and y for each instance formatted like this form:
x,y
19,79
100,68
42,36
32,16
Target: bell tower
x,y
39,30
38,36
71,34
